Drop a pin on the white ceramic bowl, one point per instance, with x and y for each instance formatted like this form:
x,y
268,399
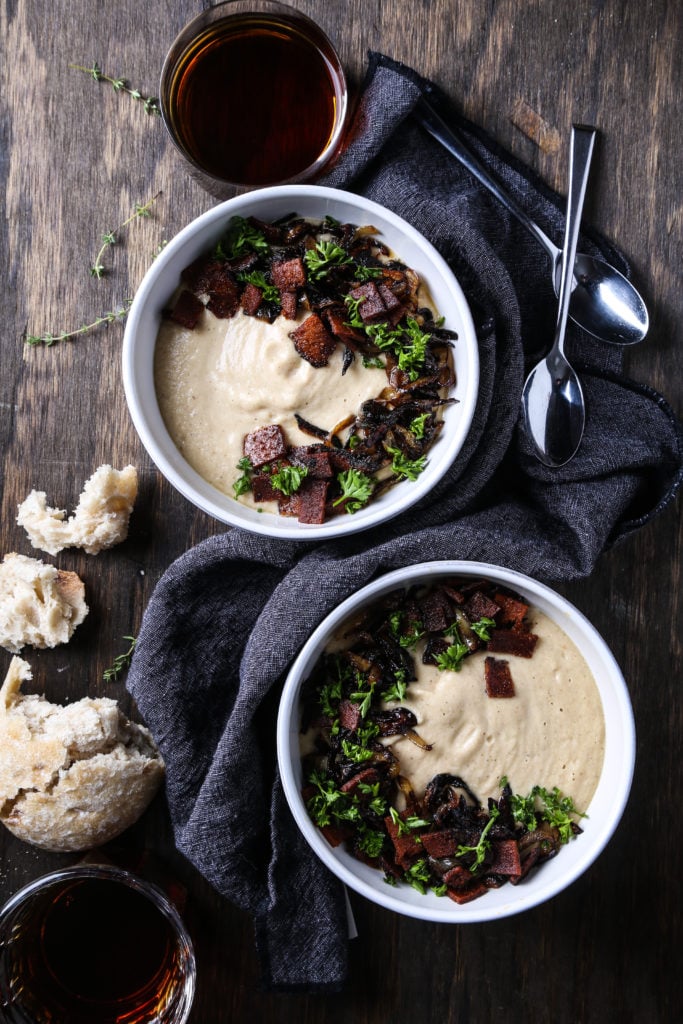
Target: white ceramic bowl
x,y
604,811
199,237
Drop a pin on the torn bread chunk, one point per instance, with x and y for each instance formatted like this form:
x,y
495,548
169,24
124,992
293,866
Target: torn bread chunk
x,y
39,604
100,520
71,777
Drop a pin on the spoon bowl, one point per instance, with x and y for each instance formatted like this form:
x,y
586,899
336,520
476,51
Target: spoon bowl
x,y
554,409
552,399
603,302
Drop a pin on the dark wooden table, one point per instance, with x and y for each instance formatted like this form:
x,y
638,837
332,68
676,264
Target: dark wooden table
x,y
76,158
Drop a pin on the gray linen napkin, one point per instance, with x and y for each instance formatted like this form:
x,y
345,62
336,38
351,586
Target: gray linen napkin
x,y
227,619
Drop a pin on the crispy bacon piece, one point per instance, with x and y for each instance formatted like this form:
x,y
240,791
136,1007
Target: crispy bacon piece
x,y
440,844
312,496
513,612
193,274
288,275
391,302
406,846
316,460
187,310
313,341
265,445
436,611
222,307
251,299
220,282
367,775
506,859
479,606
349,715
372,307
262,488
337,324
511,641
466,895
289,301
498,678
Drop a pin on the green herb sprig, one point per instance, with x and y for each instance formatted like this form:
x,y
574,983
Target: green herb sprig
x,y
356,489
484,844
150,103
289,479
121,662
105,319
323,258
109,238
243,483
555,809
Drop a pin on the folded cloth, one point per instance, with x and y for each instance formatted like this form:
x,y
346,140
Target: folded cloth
x,y
228,617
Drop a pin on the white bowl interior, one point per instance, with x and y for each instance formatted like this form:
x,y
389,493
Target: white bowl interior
x,y
603,813
198,237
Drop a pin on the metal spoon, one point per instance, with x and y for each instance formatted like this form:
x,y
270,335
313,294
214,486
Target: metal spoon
x,y
604,302
552,399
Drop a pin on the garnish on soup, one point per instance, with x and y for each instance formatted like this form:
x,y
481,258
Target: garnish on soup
x,y
328,337
414,733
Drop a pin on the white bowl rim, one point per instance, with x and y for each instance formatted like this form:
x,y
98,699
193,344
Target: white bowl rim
x,y
152,431
610,798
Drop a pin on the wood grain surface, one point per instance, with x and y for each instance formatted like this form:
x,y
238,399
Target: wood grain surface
x,y
76,157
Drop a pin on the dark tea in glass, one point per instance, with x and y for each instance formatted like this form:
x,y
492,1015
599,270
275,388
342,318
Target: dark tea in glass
x,y
254,94
93,945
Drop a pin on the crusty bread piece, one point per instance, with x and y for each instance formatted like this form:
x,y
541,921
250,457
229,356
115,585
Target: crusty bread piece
x,y
71,777
100,520
39,604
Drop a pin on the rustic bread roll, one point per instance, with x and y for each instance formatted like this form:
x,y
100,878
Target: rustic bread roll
x,y
71,777
39,604
100,520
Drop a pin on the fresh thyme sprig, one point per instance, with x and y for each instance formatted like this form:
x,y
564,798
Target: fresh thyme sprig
x,y
150,103
121,662
105,319
109,237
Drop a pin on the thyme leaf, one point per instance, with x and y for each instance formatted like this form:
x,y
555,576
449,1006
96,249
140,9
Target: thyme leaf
x,y
121,662
105,319
109,238
150,103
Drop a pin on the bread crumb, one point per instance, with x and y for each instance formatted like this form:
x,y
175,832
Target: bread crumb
x,y
71,777
100,519
39,604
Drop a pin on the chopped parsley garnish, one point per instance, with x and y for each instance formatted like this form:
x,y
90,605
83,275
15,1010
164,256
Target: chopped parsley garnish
x,y
405,468
418,875
323,258
258,279
451,659
356,489
364,273
405,825
417,426
289,479
484,844
482,627
371,841
240,238
353,306
397,690
355,752
555,809
363,697
243,483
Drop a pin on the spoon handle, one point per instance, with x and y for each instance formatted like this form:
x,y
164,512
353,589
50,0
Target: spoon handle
x,y
434,124
580,154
